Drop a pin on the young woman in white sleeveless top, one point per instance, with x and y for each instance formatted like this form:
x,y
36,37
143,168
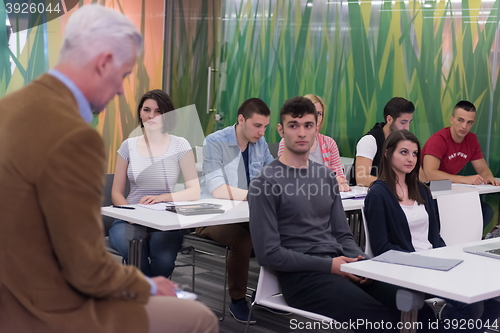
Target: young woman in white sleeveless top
x,y
152,163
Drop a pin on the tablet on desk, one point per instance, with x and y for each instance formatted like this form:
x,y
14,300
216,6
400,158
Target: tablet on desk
x,y
195,209
440,185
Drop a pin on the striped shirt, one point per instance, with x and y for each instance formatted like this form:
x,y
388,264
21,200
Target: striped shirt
x,y
152,175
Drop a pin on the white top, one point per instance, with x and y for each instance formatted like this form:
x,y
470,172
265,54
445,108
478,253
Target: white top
x,y
418,221
316,156
152,175
367,147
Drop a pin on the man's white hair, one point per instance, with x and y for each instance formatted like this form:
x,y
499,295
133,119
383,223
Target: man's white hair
x,y
94,29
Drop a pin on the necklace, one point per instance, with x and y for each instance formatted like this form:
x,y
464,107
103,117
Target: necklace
x,y
403,196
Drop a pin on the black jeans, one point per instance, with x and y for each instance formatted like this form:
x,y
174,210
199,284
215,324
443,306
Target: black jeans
x,y
340,299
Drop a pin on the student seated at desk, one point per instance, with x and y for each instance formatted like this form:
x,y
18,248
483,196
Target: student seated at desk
x,y
301,232
324,149
448,151
232,157
398,114
152,163
401,215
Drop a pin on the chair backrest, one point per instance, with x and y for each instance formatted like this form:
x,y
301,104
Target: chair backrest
x,y
267,285
273,148
199,154
106,220
461,217
368,248
347,166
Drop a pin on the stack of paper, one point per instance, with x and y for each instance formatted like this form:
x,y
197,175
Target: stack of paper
x,y
356,192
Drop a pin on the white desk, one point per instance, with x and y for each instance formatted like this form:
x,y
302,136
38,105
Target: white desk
x,y
353,204
482,189
471,281
235,212
358,203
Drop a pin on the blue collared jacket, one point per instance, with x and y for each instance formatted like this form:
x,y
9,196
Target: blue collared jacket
x,y
223,161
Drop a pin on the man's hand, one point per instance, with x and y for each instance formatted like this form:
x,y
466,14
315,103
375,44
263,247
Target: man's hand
x,y
337,261
343,186
474,180
492,181
165,286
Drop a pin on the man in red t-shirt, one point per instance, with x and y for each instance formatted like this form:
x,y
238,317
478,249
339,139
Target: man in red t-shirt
x,y
448,151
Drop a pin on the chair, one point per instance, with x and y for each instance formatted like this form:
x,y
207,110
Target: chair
x,y
107,220
347,164
199,159
269,294
368,248
461,217
273,148
193,237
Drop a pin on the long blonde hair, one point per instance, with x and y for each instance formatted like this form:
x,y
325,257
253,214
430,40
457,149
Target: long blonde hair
x,y
316,99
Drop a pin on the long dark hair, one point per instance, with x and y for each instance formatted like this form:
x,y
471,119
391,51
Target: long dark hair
x,y
165,105
388,175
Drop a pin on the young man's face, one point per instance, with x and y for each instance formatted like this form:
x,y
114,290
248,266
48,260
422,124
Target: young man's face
x,y
461,122
298,133
254,127
400,123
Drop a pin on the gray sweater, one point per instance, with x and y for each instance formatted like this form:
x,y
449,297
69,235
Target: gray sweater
x,y
297,221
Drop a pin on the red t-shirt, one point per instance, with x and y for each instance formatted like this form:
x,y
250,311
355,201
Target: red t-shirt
x,y
454,156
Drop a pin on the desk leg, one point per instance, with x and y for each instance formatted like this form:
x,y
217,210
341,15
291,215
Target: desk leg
x,y
134,252
409,320
409,302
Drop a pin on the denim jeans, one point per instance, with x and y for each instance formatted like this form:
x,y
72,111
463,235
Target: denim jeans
x,y
487,311
487,213
159,249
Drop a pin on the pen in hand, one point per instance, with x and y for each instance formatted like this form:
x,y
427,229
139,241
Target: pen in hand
x,y
124,207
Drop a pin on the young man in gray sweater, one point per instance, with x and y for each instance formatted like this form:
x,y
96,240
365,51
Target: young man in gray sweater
x,y
299,229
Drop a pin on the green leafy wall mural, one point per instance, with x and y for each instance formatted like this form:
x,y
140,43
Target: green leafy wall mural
x,y
358,55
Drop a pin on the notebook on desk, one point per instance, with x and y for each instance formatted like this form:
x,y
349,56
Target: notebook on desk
x,y
491,250
416,260
356,192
